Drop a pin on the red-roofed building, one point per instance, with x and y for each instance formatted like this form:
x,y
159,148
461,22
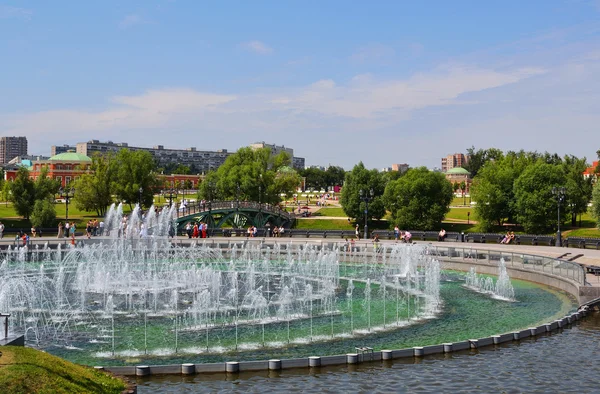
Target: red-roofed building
x,y
591,171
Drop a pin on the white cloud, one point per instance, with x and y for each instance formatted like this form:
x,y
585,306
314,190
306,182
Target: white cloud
x,y
8,12
365,97
131,20
257,47
429,103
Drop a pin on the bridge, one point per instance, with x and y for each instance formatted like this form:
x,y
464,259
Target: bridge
x,y
237,214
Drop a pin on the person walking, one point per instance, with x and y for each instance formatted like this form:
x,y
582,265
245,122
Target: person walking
x,y
1,230
61,233
72,232
357,232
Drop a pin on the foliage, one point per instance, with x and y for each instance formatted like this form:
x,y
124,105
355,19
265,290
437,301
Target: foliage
x,y
366,180
595,208
535,206
477,159
5,191
134,170
493,191
23,193
251,175
26,370
578,189
45,187
43,214
419,200
93,190
318,179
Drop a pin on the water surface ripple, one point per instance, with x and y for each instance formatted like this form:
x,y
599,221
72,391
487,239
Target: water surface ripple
x,y
566,362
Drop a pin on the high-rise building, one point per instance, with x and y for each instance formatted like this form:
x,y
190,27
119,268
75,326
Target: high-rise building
x,y
451,161
57,150
402,168
200,161
297,162
11,147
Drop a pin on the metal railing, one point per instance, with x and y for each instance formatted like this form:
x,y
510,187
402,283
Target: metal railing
x,y
524,261
199,207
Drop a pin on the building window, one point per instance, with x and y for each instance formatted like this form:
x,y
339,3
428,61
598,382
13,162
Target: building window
x,y
59,179
67,180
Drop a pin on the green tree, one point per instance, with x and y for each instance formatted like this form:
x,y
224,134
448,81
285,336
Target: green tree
x,y
595,208
578,189
182,169
535,206
493,191
23,193
93,190
43,214
314,178
6,191
45,187
251,175
419,200
334,176
134,170
366,180
477,159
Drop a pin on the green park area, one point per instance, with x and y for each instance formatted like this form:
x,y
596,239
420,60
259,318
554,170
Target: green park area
x,y
512,191
26,370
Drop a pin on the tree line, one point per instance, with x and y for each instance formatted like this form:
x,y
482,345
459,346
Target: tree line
x,y
511,187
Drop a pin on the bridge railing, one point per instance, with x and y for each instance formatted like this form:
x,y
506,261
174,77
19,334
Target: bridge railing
x,y
199,207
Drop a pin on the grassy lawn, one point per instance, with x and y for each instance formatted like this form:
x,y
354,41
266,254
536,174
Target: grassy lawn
x,y
26,370
460,214
338,224
336,212
582,232
323,224
459,201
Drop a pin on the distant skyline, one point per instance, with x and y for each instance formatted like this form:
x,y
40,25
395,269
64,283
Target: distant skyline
x,y
340,82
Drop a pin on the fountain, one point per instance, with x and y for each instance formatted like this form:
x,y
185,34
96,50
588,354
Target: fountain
x,y
502,289
137,296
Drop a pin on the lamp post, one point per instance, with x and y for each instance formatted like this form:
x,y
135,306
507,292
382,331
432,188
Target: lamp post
x,y
560,194
366,197
140,201
170,193
237,196
67,193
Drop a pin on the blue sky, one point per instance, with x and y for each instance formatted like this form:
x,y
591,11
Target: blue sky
x,y
381,81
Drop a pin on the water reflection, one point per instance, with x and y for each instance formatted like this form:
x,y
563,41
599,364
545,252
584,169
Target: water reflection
x,y
565,362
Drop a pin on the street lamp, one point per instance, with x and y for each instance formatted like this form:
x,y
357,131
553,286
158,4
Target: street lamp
x,y
67,193
560,194
237,196
170,193
366,197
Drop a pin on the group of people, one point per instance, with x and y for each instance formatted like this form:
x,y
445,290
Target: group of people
x,y
67,230
400,235
508,238
197,230
278,231
94,228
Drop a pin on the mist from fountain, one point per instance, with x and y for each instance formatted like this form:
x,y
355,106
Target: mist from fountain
x,y
139,294
501,289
